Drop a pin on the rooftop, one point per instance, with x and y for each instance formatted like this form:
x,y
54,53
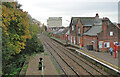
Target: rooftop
x,y
94,30
87,21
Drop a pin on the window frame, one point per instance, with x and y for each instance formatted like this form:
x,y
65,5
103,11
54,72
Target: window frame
x,y
107,43
100,44
111,33
118,43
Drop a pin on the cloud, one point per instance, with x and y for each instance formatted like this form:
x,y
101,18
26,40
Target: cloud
x,y
42,9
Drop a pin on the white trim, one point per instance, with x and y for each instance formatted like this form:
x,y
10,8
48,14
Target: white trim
x,y
99,61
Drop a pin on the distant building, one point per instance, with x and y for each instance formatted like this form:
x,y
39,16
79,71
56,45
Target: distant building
x,y
54,23
61,33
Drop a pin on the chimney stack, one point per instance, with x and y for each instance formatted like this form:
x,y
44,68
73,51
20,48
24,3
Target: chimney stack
x,y
97,15
105,23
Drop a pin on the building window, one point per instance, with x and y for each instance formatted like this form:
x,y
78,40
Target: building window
x,y
71,39
106,44
115,42
118,43
100,44
78,30
68,37
72,27
111,33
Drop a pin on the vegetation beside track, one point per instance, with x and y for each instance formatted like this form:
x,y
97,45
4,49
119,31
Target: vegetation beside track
x,y
19,38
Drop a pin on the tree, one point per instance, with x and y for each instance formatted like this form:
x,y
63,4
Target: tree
x,y
15,31
19,37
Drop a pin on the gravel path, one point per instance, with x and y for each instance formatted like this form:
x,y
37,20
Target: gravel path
x,y
49,68
33,66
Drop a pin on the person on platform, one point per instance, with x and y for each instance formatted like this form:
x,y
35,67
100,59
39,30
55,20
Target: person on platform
x,y
111,50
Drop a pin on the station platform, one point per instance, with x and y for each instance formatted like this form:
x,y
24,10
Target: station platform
x,y
63,42
106,56
103,57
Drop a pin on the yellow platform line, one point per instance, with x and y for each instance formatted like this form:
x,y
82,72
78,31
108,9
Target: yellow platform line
x,y
114,66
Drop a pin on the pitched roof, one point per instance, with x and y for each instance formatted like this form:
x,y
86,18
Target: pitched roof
x,y
58,31
54,31
87,21
98,21
113,24
97,29
93,31
68,32
75,19
64,31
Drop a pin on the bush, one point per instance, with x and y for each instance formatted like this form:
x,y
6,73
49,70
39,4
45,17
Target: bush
x,y
33,45
14,65
49,34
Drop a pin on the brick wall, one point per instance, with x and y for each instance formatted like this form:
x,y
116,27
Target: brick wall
x,y
79,25
90,40
104,36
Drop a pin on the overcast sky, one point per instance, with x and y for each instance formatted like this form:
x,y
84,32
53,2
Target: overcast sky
x,y
42,9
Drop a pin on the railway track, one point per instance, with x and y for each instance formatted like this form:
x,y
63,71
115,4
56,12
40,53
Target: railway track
x,y
63,66
67,60
92,69
72,71
64,73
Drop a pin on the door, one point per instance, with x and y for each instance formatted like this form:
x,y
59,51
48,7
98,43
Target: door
x,y
90,47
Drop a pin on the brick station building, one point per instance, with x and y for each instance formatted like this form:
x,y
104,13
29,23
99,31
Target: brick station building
x,y
94,33
109,35
79,27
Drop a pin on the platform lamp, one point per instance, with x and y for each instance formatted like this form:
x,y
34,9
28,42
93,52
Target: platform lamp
x,y
66,36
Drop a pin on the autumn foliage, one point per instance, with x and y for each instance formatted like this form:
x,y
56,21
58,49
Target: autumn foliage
x,y
17,37
15,29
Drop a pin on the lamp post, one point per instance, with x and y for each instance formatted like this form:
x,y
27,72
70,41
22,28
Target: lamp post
x,y
115,50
